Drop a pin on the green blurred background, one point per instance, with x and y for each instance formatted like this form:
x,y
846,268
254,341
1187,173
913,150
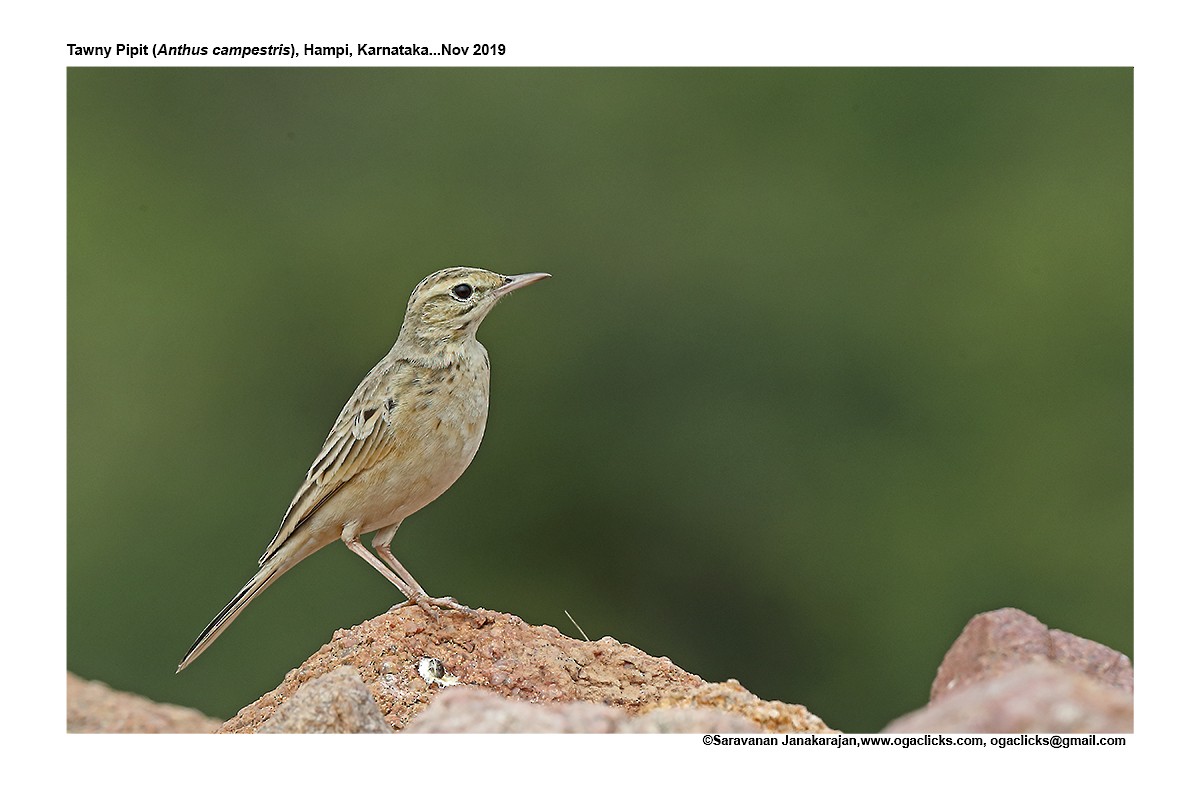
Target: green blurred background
x,y
831,361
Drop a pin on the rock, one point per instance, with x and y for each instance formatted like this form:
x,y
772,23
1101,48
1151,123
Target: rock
x,y
470,709
501,653
337,702
1009,673
93,707
1030,698
998,641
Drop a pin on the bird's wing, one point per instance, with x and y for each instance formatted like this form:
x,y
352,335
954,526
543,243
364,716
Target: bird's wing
x,y
359,439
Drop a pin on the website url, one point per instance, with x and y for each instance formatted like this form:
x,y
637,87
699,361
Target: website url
x,y
1057,741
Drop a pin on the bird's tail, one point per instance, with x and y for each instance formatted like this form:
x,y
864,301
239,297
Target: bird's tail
x,y
279,563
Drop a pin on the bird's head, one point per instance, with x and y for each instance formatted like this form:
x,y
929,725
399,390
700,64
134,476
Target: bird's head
x,y
448,306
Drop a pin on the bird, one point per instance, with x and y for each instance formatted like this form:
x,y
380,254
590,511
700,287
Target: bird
x,y
404,437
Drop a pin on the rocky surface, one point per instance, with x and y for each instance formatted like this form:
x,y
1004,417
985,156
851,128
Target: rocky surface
x,y
512,659
1009,673
93,707
1006,673
996,642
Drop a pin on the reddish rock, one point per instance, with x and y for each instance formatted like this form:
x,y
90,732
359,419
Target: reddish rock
x,y
93,707
1029,698
503,654
1009,673
999,641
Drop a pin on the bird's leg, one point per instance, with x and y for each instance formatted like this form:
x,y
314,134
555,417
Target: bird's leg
x,y
382,542
416,595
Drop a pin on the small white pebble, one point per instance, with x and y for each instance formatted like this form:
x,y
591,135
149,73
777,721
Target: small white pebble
x,y
434,671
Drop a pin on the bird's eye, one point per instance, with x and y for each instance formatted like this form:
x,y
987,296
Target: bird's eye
x,y
462,291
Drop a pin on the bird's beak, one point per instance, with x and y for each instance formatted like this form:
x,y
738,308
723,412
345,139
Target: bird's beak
x,y
512,282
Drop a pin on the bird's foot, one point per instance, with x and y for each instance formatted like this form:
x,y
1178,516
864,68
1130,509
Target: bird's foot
x,y
450,604
431,605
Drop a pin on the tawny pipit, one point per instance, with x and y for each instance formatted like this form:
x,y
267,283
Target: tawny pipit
x,y
407,433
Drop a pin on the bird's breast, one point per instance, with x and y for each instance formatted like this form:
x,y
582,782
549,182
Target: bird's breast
x,y
435,436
